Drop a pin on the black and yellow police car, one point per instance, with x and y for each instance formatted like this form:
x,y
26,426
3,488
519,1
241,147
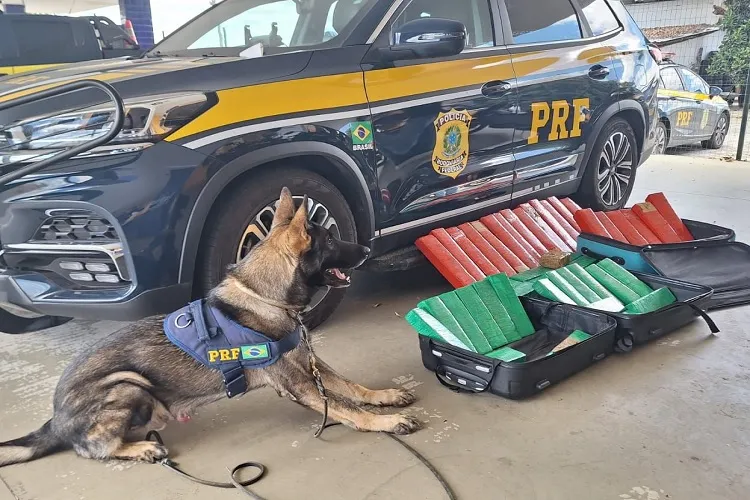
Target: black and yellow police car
x,y
690,111
394,116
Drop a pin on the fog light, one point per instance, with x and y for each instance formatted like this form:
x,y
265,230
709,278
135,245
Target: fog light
x,y
107,278
98,267
71,266
81,277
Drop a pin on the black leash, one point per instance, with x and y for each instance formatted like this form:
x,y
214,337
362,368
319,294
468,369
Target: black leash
x,y
243,485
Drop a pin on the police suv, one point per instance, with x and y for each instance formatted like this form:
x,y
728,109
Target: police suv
x,y
127,186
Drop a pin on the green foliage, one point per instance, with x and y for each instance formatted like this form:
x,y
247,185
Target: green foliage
x,y
733,57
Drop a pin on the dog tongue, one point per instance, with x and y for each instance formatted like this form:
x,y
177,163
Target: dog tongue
x,y
183,418
339,274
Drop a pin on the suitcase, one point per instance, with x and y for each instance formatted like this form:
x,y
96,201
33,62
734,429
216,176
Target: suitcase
x,y
723,266
630,256
468,371
634,329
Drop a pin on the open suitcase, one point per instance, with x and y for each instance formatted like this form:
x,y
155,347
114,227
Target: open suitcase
x,y
634,329
464,370
631,256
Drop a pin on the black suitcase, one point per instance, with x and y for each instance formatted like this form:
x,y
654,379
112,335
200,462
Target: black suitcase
x,y
723,266
634,329
468,371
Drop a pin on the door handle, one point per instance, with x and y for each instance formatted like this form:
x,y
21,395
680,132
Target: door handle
x,y
496,88
598,72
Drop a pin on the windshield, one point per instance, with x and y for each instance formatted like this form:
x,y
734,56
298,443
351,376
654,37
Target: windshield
x,y
239,27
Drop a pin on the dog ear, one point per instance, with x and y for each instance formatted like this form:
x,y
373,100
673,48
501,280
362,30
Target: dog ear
x,y
300,218
285,209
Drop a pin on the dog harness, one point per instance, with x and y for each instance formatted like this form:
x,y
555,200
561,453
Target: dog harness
x,y
215,341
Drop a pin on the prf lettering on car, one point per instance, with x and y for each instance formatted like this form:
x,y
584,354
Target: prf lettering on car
x,y
558,113
684,118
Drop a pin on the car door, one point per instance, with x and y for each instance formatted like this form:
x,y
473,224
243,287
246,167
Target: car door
x,y
565,80
706,111
678,106
443,128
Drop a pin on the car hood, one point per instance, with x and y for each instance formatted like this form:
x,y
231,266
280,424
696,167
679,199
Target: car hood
x,y
145,76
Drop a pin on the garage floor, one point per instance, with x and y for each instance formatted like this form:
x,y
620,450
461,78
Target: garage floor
x,y
670,420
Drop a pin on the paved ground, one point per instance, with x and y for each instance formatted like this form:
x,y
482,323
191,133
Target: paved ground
x,y
671,420
728,149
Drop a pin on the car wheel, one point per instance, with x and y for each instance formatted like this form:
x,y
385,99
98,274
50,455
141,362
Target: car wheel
x,y
610,172
720,133
12,324
242,218
661,139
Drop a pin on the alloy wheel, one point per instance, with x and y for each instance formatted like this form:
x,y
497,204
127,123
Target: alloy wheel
x,y
721,131
615,169
661,141
260,226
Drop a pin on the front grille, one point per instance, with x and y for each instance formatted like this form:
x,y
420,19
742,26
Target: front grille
x,y
78,226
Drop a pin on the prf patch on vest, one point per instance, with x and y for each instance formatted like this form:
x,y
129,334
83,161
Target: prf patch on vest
x,y
451,154
557,114
245,352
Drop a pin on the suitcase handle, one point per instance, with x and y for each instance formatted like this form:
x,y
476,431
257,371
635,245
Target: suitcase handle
x,y
590,253
460,381
703,314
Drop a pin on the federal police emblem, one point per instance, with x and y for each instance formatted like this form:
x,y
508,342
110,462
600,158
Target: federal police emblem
x,y
451,154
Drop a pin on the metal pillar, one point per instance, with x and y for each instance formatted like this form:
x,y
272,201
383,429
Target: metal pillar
x,y
138,12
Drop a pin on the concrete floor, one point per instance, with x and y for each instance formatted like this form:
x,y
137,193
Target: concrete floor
x,y
671,420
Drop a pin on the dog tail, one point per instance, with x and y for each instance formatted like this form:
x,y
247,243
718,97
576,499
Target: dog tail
x,y
38,444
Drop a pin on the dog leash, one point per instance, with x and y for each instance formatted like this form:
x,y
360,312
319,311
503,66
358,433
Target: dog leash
x,y
242,486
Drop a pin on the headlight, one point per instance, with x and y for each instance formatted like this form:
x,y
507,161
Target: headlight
x,y
147,120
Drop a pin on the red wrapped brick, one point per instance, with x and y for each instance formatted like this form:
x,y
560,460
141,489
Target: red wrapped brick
x,y
656,223
659,201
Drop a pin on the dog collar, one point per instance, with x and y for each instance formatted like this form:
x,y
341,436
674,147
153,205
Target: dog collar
x,y
218,342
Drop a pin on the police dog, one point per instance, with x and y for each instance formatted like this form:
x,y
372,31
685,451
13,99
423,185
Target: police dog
x,y
136,379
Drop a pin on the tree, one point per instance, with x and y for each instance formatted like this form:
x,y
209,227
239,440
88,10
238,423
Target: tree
x,y
733,57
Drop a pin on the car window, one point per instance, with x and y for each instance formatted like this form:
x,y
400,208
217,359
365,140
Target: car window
x,y
232,26
475,14
693,82
671,80
534,21
599,15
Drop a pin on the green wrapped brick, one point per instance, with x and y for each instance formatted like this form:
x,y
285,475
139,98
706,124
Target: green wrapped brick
x,y
625,277
623,293
440,312
426,325
513,306
465,319
582,260
523,287
652,302
492,302
507,354
530,275
549,290
581,287
567,288
482,316
583,275
610,304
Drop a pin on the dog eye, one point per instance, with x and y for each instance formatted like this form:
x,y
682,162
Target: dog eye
x,y
329,240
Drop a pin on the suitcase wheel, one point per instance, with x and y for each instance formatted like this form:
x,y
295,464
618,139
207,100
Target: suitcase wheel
x,y
624,344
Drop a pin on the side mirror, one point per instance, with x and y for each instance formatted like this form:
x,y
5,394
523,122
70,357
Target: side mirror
x,y
426,38
715,91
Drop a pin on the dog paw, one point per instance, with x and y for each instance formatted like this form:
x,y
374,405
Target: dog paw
x,y
406,425
153,454
395,397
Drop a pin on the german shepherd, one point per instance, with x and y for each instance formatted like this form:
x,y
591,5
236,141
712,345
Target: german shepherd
x,y
136,379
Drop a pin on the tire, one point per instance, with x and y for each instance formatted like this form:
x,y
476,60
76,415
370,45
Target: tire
x,y
12,324
590,194
249,205
720,134
662,139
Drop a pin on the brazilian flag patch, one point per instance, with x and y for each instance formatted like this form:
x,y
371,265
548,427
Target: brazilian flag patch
x,y
257,351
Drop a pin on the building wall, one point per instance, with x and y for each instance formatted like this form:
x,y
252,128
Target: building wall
x,y
689,52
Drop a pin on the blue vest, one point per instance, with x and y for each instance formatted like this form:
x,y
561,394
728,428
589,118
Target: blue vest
x,y
217,342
